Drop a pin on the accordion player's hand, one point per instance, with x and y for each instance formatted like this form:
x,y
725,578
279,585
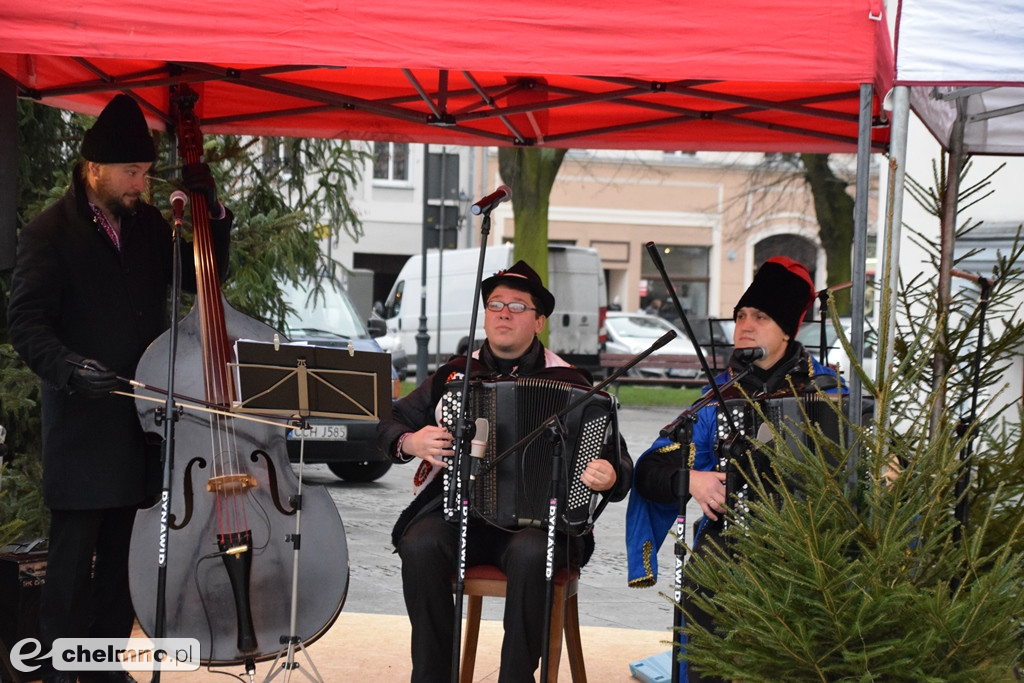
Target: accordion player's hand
x,y
599,475
431,443
708,489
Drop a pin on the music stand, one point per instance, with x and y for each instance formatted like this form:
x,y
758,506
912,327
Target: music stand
x,y
302,380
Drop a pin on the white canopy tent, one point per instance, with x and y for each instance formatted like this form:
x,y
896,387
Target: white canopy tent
x,y
960,68
961,60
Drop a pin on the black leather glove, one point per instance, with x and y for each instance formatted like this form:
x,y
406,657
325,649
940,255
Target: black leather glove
x,y
94,380
197,178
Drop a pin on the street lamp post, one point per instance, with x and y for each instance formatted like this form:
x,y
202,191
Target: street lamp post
x,y
463,207
422,335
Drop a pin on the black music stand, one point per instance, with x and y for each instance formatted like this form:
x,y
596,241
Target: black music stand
x,y
306,380
302,380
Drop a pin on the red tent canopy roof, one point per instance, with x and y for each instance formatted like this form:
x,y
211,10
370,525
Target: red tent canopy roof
x,y
733,75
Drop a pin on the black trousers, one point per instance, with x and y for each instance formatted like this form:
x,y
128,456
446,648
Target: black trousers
x,y
81,599
429,550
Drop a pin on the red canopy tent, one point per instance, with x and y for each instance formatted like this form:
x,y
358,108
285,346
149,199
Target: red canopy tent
x,y
787,76
732,75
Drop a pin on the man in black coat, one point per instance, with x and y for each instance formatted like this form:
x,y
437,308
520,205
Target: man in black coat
x,y
88,295
517,306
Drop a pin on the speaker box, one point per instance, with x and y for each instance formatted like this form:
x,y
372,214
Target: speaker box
x,y
22,575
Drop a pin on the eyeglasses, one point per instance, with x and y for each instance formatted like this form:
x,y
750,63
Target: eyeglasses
x,y
513,307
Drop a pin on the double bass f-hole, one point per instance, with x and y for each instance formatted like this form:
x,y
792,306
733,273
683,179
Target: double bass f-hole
x,y
275,494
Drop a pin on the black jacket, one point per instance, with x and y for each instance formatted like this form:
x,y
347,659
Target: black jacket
x,y
75,296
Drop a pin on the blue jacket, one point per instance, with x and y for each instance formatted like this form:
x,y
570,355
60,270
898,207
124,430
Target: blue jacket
x,y
647,521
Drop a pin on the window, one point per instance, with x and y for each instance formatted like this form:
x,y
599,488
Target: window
x,y
393,306
391,161
688,268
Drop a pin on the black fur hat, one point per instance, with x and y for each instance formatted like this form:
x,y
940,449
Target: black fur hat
x,y
120,135
782,288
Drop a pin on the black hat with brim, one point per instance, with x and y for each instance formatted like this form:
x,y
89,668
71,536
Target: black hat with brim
x,y
120,135
524,278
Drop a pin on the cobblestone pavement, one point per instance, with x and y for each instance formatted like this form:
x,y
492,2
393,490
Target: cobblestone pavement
x,y
369,511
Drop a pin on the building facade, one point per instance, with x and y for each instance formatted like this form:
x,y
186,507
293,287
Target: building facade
x,y
712,216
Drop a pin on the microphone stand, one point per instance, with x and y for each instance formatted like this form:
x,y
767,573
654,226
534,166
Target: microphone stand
x,y
652,249
823,338
466,471
168,415
681,431
556,432
822,297
964,479
682,428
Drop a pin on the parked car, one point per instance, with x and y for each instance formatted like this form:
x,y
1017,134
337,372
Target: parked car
x,y
633,333
348,447
810,336
391,342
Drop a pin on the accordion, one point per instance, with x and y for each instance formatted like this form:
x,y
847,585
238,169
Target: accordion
x,y
515,491
788,417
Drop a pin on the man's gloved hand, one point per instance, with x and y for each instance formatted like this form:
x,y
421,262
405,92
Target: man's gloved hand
x,y
197,178
94,380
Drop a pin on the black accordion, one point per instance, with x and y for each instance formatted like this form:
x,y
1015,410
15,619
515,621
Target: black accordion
x,y
789,416
516,490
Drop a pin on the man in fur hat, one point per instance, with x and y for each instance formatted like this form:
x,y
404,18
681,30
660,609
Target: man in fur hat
x,y
767,316
516,306
88,295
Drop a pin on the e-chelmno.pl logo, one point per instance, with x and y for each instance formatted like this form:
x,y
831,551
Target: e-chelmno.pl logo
x,y
109,654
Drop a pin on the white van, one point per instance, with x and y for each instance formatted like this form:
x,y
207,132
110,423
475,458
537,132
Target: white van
x,y
575,277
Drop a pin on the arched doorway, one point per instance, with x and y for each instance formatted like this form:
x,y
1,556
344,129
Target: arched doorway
x,y
794,246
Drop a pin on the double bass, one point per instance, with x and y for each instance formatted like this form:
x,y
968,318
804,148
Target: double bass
x,y
226,571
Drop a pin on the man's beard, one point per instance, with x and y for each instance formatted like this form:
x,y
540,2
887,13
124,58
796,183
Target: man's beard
x,y
117,207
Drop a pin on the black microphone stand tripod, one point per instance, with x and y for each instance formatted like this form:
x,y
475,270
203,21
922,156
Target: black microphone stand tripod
x,y
167,416
555,427
967,425
681,431
464,469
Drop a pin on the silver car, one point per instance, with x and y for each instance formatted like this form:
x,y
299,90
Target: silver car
x,y
633,333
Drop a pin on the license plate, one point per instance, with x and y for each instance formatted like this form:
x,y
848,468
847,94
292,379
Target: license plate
x,y
321,432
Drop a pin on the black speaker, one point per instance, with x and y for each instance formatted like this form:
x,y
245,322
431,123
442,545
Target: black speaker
x,y
22,575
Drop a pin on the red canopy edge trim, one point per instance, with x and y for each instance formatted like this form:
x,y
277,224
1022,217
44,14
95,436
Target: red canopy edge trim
x,y
486,99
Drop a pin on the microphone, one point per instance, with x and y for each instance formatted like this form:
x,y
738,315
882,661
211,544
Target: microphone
x,y
478,446
500,195
749,355
178,201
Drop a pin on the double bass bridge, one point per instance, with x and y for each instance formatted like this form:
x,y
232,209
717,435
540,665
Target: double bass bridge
x,y
231,484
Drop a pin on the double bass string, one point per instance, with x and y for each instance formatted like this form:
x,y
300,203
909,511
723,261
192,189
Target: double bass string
x,y
230,481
